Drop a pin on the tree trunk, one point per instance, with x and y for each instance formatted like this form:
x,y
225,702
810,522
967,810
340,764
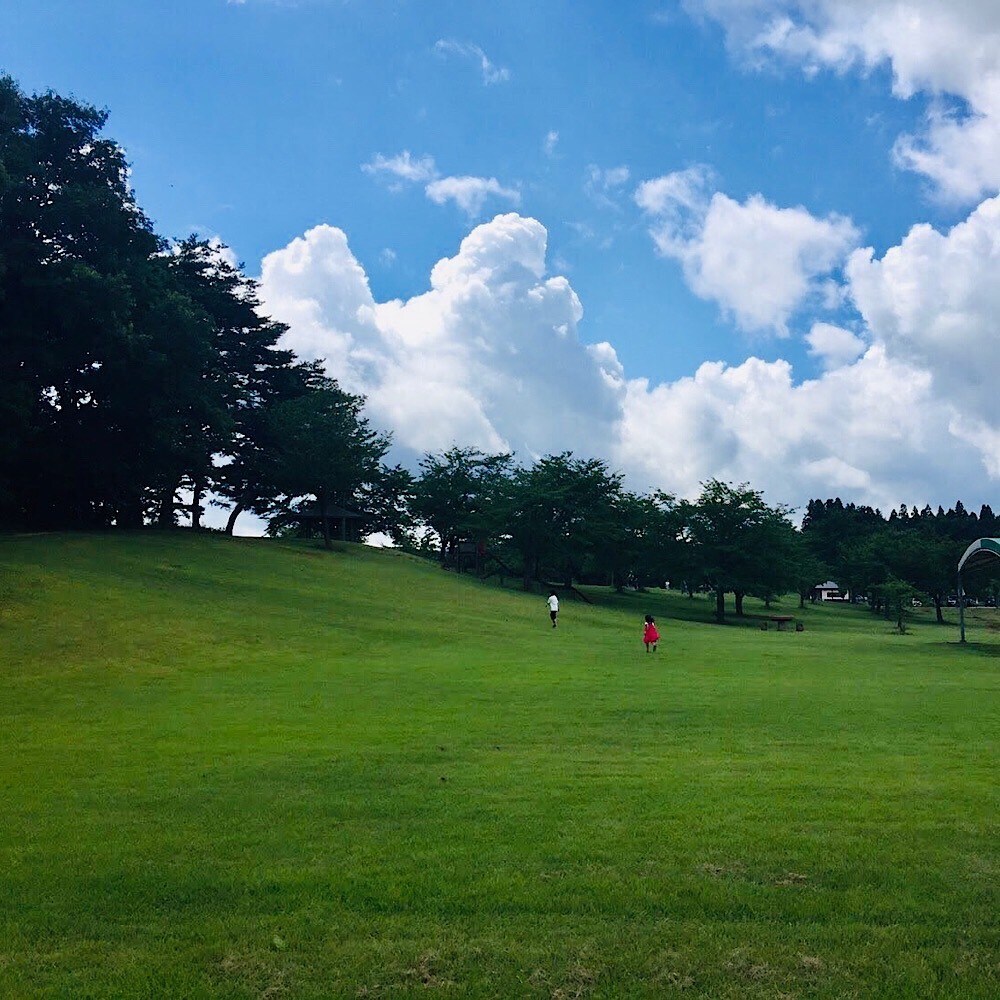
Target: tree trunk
x,y
739,603
165,515
327,544
802,601
129,514
720,604
196,492
937,609
233,514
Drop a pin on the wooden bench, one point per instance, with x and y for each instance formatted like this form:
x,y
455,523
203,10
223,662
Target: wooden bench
x,y
781,620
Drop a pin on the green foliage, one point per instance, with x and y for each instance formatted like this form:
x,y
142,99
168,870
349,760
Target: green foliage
x,y
897,599
743,545
458,495
556,511
325,448
126,371
863,550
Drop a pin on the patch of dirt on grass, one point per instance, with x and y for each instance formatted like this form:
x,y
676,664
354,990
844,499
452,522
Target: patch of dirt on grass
x,y
811,962
426,973
792,878
718,871
667,970
676,980
257,975
741,964
578,981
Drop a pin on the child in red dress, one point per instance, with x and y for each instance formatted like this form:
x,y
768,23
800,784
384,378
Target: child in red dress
x,y
649,634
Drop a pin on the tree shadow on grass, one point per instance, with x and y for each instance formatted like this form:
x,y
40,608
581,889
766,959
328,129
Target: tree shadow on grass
x,y
677,606
980,648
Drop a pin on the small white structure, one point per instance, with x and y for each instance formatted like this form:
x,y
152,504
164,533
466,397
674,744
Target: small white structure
x,y
829,591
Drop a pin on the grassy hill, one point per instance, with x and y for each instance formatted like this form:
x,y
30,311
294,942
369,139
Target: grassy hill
x,y
246,768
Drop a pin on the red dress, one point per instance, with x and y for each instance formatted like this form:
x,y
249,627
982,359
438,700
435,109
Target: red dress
x,y
650,634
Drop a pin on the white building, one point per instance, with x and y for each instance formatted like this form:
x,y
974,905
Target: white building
x,y
829,591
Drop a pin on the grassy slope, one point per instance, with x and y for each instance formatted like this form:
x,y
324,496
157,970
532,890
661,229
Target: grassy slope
x,y
245,769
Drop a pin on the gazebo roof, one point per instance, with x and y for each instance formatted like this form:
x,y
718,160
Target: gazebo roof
x,y
315,513
979,553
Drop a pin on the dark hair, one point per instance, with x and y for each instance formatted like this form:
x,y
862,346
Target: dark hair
x,y
649,619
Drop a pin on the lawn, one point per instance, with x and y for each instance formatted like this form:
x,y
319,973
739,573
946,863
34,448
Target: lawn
x,y
254,769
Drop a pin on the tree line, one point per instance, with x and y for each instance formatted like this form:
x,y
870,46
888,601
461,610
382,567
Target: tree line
x,y
141,380
565,519
893,561
138,372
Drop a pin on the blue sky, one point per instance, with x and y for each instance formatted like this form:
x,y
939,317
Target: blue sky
x,y
259,121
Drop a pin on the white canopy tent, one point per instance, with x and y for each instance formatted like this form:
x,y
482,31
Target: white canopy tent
x,y
981,551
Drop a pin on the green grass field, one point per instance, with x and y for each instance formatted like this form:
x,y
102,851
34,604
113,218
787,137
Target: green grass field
x,y
245,768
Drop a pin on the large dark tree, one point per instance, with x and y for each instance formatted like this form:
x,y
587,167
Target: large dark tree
x,y
242,370
79,304
641,542
127,369
743,544
458,495
325,449
557,512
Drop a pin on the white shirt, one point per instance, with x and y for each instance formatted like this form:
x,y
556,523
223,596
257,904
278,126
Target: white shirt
x,y
553,603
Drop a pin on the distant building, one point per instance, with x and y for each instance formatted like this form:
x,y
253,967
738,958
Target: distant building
x,y
347,525
829,591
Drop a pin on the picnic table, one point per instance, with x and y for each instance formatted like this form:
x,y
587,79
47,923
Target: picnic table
x,y
781,620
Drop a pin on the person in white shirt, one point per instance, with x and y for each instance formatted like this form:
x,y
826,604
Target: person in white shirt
x,y
553,603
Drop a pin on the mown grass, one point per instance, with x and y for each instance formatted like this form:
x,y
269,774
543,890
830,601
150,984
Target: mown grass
x,y
244,768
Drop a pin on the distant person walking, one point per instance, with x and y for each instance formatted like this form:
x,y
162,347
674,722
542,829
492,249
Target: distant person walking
x,y
650,636
553,603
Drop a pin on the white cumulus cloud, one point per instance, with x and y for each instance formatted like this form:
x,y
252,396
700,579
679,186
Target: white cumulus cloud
x,y
949,49
871,431
404,166
934,300
490,354
833,345
470,193
758,261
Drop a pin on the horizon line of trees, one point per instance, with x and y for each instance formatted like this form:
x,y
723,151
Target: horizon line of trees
x,y
140,381
564,519
909,555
